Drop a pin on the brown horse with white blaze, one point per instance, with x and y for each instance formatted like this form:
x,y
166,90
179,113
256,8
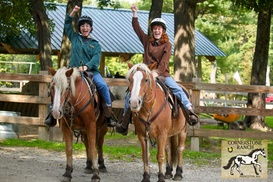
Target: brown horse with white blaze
x,y
152,116
76,107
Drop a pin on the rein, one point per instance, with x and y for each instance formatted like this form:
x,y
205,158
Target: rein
x,y
71,115
149,121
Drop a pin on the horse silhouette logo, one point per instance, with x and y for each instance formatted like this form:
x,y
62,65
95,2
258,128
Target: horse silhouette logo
x,y
250,159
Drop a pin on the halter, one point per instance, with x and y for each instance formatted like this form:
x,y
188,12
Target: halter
x,y
149,120
68,107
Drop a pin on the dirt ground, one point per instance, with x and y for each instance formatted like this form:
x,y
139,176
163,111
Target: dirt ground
x,y
38,165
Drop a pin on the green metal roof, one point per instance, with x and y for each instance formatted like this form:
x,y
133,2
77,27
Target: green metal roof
x,y
113,29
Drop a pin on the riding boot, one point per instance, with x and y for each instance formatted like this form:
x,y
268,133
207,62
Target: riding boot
x,y
50,120
108,113
122,127
194,119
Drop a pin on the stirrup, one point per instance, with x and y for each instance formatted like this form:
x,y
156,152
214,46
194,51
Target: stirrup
x,y
121,130
50,120
193,120
110,122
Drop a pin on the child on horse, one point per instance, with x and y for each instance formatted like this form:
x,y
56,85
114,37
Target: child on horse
x,y
157,53
85,55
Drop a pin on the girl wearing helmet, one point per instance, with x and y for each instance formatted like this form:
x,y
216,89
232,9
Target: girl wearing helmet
x,y
157,53
85,55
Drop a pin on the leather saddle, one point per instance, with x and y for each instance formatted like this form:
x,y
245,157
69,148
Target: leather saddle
x,y
174,102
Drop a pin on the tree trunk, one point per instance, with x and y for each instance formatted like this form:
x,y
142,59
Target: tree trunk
x,y
40,17
65,46
155,12
259,67
184,53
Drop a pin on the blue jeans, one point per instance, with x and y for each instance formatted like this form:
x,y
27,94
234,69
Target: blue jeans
x,y
102,88
178,92
174,87
126,104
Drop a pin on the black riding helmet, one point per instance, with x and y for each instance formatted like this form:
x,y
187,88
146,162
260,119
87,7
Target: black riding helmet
x,y
85,19
158,21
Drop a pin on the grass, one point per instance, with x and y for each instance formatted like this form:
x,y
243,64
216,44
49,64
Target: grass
x,y
118,147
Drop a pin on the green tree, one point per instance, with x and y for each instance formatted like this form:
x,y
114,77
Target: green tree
x,y
260,59
18,15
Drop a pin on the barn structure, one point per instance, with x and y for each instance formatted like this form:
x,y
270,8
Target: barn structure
x,y
112,28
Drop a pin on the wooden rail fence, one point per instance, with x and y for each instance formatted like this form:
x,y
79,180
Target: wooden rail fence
x,y
195,89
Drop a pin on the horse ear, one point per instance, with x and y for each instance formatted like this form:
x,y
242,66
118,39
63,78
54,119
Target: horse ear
x,y
153,66
69,72
130,65
51,71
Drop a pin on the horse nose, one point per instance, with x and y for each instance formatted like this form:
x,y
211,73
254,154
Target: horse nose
x,y
57,114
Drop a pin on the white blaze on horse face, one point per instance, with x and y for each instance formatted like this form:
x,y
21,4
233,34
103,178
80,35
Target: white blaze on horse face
x,y
134,100
56,106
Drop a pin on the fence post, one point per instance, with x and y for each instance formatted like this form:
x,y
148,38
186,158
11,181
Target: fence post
x,y
43,109
195,102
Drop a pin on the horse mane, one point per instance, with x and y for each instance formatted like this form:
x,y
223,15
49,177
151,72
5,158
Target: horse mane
x,y
61,79
253,151
137,67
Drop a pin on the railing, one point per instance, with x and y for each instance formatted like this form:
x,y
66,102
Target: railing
x,y
195,89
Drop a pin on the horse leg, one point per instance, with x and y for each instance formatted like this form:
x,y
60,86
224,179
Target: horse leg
x,y
255,168
180,151
145,158
68,138
88,168
238,169
101,132
169,167
260,167
91,149
161,143
231,169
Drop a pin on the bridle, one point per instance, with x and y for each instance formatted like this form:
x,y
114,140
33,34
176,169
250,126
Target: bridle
x,y
147,122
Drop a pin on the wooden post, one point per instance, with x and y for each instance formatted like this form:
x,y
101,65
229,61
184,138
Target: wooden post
x,y
43,109
55,134
195,102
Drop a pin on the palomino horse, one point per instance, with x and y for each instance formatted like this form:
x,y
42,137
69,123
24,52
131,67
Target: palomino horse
x,y
152,116
250,159
75,105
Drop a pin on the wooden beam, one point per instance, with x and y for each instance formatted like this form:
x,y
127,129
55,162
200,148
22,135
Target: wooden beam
x,y
20,120
23,77
229,134
24,99
234,110
10,49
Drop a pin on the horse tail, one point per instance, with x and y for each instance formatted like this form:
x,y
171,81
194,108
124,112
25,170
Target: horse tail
x,y
174,145
229,163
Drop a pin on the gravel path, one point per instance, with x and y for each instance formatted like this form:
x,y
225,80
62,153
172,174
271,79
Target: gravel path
x,y
38,165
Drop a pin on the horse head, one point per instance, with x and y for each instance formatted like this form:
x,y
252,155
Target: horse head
x,y
62,86
141,84
261,152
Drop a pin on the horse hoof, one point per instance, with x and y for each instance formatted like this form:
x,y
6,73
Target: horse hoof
x,y
146,177
161,177
145,180
66,179
95,180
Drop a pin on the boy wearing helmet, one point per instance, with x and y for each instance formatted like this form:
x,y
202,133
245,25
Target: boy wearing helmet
x,y
157,53
85,55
